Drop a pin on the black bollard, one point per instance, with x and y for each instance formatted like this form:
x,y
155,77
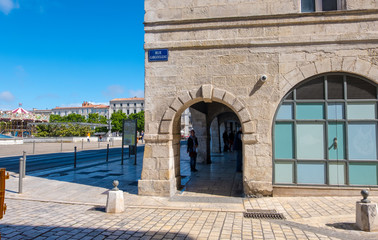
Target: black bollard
x,y
107,153
75,158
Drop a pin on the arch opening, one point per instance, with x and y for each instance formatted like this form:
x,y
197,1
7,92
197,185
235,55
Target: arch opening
x,y
216,164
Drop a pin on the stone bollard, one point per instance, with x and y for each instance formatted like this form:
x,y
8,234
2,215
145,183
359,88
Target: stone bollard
x,y
366,214
115,202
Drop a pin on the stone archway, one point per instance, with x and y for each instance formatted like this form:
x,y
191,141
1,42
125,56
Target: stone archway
x,y
161,165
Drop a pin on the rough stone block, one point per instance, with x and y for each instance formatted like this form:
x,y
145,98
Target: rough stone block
x,y
373,73
249,127
238,105
185,98
169,114
349,64
244,115
229,98
323,66
176,104
308,70
367,216
362,67
294,76
115,202
160,151
165,126
207,92
336,63
196,93
250,138
218,94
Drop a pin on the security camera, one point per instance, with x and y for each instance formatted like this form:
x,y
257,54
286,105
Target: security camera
x,y
263,78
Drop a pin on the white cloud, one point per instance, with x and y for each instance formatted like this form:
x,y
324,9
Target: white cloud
x,y
136,93
6,95
113,91
6,6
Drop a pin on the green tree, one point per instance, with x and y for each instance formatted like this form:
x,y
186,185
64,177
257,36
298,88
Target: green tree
x,y
55,118
117,119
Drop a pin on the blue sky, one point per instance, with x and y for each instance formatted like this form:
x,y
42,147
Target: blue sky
x,y
63,52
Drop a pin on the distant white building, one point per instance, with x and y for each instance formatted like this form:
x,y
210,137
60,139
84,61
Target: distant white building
x,y
126,105
85,109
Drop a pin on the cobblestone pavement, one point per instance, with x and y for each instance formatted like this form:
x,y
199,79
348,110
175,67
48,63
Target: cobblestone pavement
x,y
71,206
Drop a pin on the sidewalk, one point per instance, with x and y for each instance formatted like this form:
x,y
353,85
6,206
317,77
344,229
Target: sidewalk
x,y
70,205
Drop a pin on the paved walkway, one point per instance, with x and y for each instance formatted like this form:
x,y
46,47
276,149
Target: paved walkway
x,y
69,204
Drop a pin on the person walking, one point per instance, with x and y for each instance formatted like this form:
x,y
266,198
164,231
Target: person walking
x,y
192,150
225,141
238,147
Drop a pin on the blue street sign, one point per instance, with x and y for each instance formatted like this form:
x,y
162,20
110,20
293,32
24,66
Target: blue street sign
x,y
157,55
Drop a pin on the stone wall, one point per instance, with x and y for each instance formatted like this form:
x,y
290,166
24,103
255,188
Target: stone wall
x,y
222,60
167,10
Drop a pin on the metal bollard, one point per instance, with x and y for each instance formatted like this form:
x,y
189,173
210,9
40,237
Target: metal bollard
x,y
107,153
24,166
75,158
33,147
20,175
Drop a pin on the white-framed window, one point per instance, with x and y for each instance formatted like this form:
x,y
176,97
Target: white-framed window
x,y
322,5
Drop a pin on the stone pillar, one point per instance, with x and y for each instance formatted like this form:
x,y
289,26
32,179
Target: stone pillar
x,y
115,202
215,137
366,214
200,127
158,174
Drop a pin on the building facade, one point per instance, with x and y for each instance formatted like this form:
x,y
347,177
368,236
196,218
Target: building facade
x,y
126,105
85,109
299,76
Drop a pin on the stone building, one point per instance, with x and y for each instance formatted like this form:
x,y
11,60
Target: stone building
x,y
127,105
85,109
299,76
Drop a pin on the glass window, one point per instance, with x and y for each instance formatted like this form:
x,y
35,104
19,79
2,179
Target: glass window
x,y
285,112
308,5
311,90
284,141
336,141
310,141
363,174
360,89
283,172
336,173
335,111
310,111
362,143
329,5
361,110
311,173
335,86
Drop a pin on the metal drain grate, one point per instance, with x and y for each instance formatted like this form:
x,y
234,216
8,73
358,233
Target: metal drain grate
x,y
263,214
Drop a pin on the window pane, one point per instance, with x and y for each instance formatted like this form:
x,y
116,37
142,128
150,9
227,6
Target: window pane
x,y
336,130
310,111
311,173
285,111
308,5
337,173
359,89
313,89
329,5
290,96
361,111
362,143
335,110
362,174
283,172
335,85
283,147
310,141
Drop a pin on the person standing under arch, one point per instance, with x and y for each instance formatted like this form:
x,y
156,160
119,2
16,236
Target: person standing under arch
x,y
192,150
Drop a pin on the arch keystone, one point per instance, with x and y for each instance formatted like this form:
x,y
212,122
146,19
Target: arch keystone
x,y
218,94
308,70
207,92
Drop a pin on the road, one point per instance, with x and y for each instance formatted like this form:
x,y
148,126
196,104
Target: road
x,y
40,162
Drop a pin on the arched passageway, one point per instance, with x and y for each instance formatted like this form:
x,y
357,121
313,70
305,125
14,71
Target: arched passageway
x,y
216,162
